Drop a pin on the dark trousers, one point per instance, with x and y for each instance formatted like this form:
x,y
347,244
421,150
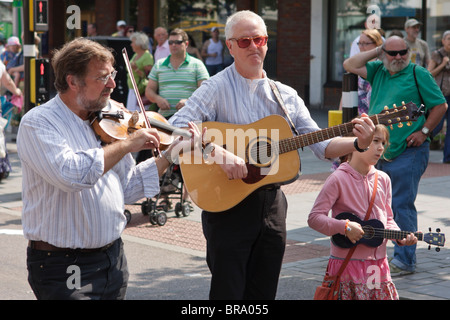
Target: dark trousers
x,y
77,275
245,247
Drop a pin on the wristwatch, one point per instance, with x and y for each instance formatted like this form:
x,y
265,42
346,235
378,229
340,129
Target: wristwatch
x,y
426,131
207,150
358,148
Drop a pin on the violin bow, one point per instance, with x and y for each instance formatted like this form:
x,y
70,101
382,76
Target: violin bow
x,y
136,91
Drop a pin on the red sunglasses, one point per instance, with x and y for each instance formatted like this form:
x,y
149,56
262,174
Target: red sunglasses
x,y
245,42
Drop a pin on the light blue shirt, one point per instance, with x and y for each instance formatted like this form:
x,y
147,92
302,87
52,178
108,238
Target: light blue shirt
x,y
228,97
67,200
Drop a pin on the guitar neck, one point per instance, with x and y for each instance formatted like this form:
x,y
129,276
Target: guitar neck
x,y
399,235
304,140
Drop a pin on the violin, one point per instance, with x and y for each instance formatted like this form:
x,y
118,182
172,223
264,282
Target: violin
x,y
116,122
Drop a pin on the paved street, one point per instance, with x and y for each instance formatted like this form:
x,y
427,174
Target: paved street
x,y
168,262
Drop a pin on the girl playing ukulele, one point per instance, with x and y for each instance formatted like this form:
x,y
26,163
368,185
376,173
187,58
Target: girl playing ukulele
x,y
349,189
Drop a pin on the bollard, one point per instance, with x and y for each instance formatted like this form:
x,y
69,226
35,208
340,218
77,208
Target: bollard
x,y
349,97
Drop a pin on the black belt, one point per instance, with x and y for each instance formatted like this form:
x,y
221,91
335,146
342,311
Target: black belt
x,y
44,246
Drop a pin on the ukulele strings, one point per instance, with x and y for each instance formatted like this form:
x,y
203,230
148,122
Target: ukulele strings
x,y
384,233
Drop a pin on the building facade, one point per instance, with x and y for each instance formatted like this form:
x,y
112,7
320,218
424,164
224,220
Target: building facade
x,y
308,40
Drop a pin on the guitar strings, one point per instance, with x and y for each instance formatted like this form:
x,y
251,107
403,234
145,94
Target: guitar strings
x,y
294,143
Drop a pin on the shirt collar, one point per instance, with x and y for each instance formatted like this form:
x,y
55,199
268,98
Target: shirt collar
x,y
186,60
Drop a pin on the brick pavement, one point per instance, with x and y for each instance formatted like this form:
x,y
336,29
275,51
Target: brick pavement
x,y
188,233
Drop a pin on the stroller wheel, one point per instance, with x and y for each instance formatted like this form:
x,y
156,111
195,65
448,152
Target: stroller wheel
x,y
186,209
146,207
152,218
128,215
178,209
161,218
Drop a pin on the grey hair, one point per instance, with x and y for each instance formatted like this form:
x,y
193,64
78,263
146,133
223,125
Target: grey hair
x,y
141,39
446,33
239,16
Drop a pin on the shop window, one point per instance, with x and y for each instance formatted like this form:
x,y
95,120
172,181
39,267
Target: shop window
x,y
348,19
437,22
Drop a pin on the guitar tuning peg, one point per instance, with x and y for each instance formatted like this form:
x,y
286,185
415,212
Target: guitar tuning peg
x,y
403,103
429,247
429,229
386,108
391,127
438,230
400,125
409,123
438,249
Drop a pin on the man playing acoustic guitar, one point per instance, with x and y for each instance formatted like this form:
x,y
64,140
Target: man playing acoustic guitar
x,y
245,244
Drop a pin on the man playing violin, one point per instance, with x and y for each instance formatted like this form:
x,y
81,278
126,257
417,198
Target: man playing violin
x,y
245,245
75,188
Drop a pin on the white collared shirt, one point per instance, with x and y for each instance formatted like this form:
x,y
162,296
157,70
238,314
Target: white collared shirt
x,y
67,201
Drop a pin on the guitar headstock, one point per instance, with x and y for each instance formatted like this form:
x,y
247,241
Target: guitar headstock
x,y
436,239
404,113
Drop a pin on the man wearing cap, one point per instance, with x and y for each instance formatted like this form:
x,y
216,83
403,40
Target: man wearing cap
x,y
121,25
212,51
420,53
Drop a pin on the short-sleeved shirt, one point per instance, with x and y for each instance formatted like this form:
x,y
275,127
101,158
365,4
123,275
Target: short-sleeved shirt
x,y
420,53
388,90
178,84
443,78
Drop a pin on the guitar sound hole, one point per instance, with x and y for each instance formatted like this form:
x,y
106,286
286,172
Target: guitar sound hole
x,y
260,153
369,232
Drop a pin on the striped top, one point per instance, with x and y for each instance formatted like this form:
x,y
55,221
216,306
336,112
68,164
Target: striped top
x,y
175,85
228,97
67,200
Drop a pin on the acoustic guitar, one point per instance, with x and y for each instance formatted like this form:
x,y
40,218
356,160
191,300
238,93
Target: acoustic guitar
x,y
270,151
374,234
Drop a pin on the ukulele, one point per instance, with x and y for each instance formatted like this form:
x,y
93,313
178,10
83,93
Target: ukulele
x,y
374,234
270,152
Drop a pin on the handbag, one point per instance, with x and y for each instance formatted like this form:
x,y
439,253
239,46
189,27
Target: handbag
x,y
329,289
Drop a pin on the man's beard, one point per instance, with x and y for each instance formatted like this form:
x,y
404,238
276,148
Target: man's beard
x,y
395,65
93,105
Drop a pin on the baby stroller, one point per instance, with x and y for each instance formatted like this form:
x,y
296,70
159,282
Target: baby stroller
x,y
171,188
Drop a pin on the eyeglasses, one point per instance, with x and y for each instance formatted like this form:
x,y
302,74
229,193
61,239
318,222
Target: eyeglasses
x,y
363,44
106,78
395,53
245,42
178,42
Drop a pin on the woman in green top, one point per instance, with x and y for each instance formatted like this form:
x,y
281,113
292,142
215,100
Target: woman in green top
x,y
141,63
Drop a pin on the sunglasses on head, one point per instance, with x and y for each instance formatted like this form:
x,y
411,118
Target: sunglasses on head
x,y
175,42
245,42
395,53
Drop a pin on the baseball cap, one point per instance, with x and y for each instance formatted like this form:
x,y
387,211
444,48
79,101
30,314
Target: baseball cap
x,y
13,41
411,23
121,23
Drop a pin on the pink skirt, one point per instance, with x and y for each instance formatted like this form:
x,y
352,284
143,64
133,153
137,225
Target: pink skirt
x,y
364,279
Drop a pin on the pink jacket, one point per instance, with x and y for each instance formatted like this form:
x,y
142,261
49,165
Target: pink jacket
x,y
346,190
